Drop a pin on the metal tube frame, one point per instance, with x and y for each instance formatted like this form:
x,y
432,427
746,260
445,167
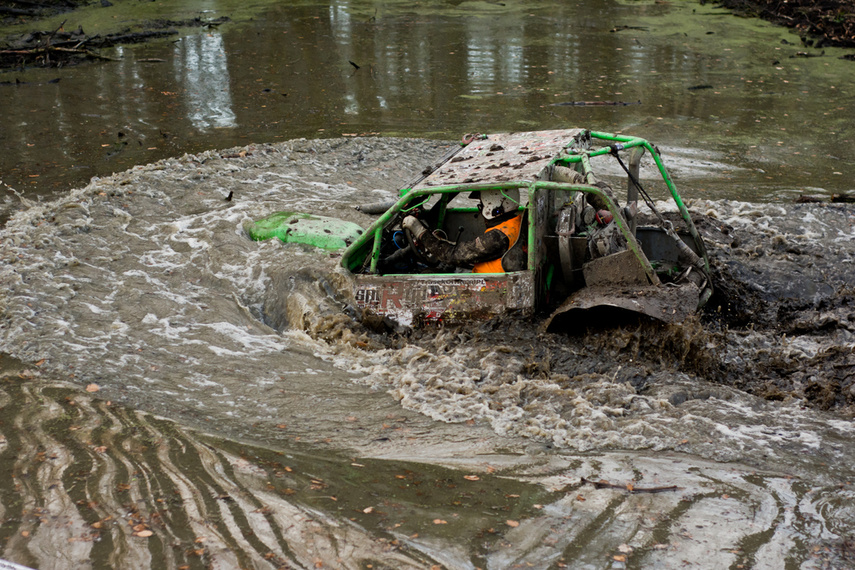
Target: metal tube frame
x,y
375,231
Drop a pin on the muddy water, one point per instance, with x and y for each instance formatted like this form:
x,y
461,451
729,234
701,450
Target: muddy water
x,y
239,417
333,445
696,76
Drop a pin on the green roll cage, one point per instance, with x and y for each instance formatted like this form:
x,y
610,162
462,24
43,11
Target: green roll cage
x,y
355,256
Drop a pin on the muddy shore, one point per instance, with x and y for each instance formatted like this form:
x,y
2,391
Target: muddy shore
x,y
823,23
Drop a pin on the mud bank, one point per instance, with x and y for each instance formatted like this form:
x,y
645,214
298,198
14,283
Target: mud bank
x,y
830,22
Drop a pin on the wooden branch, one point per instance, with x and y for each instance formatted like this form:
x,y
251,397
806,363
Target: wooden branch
x,y
630,487
47,49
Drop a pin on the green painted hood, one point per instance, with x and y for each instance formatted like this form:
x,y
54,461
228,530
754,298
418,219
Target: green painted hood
x,y
296,227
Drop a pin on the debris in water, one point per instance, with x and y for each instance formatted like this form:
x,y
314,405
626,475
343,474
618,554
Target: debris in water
x,y
603,484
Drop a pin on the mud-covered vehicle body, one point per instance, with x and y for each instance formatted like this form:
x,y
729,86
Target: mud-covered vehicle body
x,y
580,247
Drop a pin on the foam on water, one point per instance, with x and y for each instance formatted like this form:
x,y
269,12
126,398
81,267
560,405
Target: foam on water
x,y
147,279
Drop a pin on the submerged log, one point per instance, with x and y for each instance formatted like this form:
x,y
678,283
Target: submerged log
x,y
59,48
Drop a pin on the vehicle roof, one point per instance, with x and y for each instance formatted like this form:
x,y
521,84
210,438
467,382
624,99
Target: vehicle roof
x,y
503,157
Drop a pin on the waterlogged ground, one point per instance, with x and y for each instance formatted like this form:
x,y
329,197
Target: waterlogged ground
x,y
177,395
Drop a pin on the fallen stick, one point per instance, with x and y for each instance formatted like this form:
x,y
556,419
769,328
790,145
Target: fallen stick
x,y
601,484
595,103
46,49
85,52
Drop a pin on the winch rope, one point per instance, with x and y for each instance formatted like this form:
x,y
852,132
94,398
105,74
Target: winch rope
x,y
648,201
693,257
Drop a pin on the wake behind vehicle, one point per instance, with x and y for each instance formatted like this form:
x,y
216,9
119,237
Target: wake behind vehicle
x,y
580,249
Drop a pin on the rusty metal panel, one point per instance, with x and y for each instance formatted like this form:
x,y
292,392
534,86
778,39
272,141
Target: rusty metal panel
x,y
502,157
621,268
414,300
670,304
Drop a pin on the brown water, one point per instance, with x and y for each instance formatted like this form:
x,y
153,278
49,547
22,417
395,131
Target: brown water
x,y
706,81
144,288
175,395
